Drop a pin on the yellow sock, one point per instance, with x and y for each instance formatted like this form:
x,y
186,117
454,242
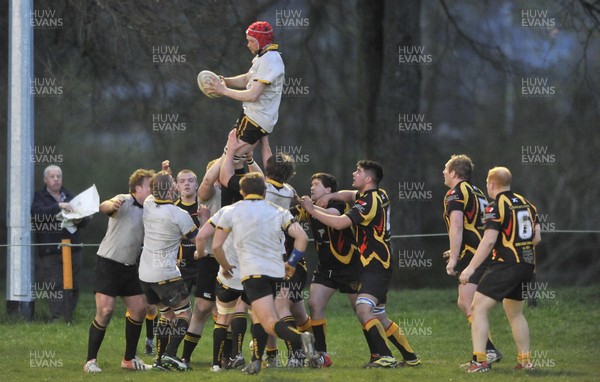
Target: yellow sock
x,y
480,357
307,326
394,331
322,322
524,358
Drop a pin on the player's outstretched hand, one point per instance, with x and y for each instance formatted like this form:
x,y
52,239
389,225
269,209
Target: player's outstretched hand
x,y
166,166
307,203
233,143
216,87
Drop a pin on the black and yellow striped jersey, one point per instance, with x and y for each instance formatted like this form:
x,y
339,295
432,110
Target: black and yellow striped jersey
x,y
335,248
471,201
515,218
370,215
187,247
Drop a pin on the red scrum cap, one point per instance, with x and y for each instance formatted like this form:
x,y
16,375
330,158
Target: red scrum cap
x,y
261,31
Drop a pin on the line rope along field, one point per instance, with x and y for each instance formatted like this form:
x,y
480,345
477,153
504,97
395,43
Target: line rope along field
x,y
392,237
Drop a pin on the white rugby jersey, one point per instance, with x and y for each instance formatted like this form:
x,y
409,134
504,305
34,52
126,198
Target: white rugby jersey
x,y
257,226
164,225
125,233
235,281
268,69
281,194
213,204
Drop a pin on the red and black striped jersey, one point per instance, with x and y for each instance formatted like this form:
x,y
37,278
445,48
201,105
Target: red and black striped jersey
x,y
471,201
370,215
515,218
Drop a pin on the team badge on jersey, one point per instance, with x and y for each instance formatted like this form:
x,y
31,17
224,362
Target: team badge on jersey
x,y
360,205
489,213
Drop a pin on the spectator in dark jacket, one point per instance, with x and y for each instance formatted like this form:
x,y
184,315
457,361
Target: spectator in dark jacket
x,y
47,203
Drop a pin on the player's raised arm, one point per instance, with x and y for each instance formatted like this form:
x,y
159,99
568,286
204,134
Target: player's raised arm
x,y
112,205
227,165
166,166
265,150
330,220
252,165
346,196
206,189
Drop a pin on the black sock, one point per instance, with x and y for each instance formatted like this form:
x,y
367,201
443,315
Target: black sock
x,y
372,349
190,341
133,329
260,341
228,345
287,332
177,333
377,337
293,346
151,322
163,328
272,353
489,345
219,339
95,337
318,329
239,324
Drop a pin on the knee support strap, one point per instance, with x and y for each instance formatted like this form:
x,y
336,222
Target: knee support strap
x,y
365,300
182,309
221,309
379,309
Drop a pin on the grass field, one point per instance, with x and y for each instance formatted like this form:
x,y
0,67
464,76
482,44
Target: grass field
x,y
564,330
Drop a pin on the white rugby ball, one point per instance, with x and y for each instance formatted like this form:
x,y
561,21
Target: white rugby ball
x,y
206,77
